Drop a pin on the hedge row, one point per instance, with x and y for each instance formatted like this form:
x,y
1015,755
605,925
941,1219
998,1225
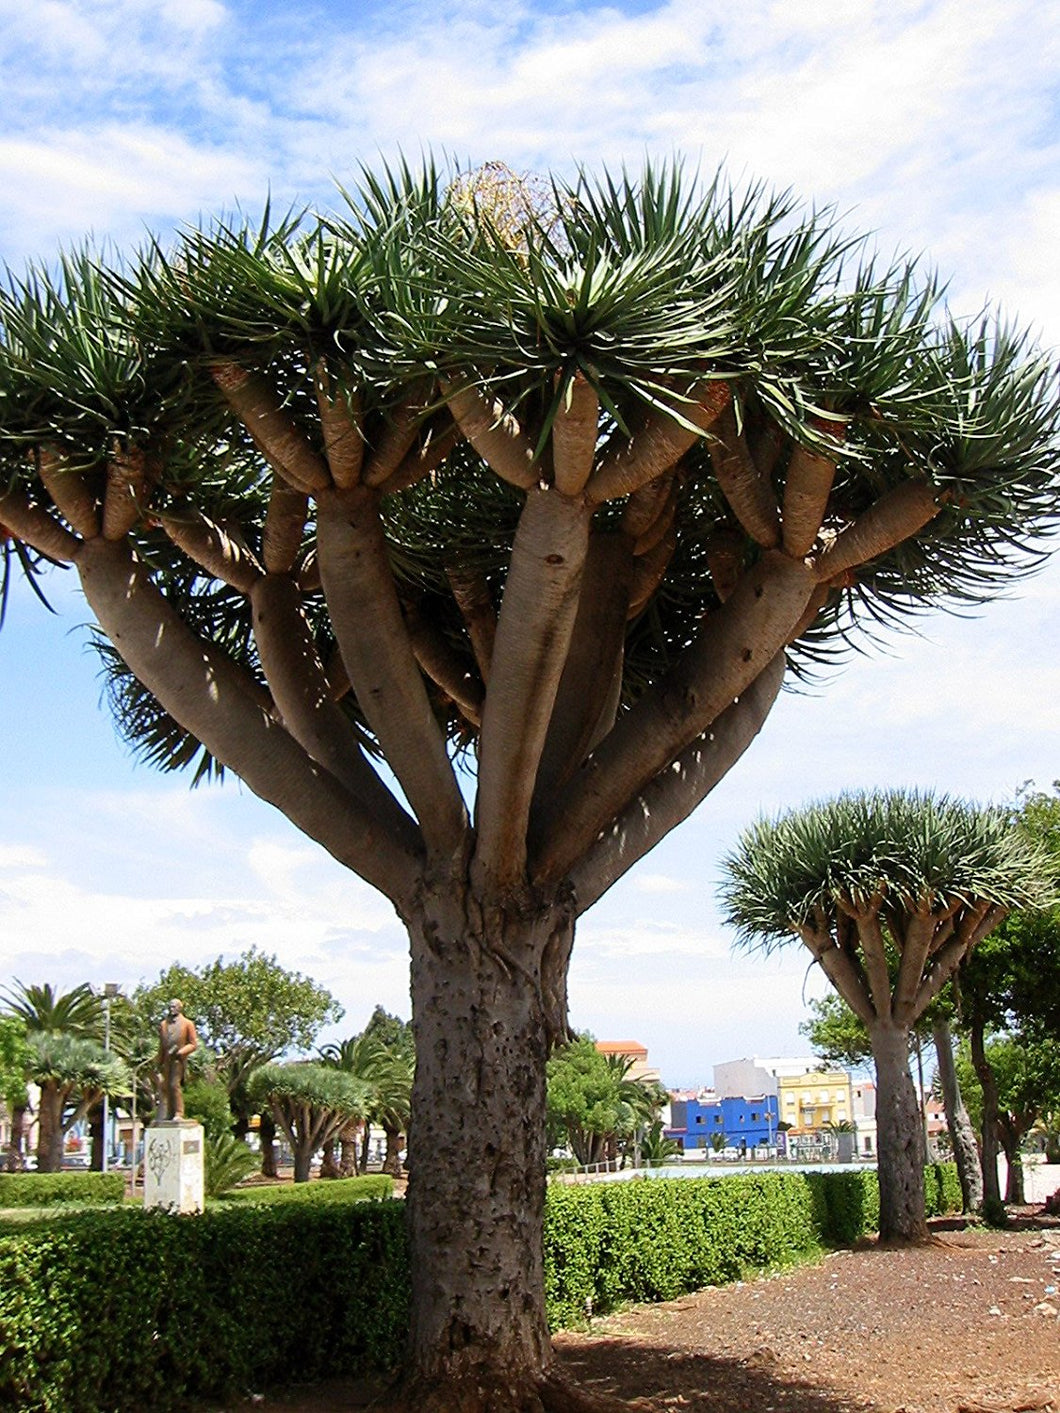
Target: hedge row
x,y
113,1311
56,1189
373,1187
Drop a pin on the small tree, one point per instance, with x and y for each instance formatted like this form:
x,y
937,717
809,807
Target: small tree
x,y
923,878
247,1012
310,1103
15,1057
73,1075
593,1103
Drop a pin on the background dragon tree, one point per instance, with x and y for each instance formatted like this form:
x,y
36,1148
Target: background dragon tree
x,y
476,529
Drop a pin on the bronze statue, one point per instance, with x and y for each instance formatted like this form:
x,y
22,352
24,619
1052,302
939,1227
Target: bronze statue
x,y
176,1041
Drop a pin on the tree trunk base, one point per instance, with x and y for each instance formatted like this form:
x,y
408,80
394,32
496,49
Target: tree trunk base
x,y
551,1393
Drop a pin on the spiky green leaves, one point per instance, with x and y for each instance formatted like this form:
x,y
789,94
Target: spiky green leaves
x,y
879,851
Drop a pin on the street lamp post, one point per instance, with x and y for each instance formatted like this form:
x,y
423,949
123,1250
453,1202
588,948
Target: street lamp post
x,y
110,990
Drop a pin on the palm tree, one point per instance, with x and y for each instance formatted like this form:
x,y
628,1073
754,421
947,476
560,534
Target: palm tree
x,y
870,877
556,483
78,1012
385,1062
73,1074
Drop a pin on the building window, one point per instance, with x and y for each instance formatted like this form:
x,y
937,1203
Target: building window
x,y
754,1116
699,1118
717,1118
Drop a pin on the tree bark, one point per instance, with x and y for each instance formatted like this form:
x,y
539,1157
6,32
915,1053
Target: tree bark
x,y
15,1162
1011,1137
392,1155
993,1208
962,1135
900,1138
476,1194
267,1136
50,1128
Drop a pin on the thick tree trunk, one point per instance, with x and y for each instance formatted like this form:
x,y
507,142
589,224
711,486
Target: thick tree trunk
x,y
50,1129
479,1341
267,1135
993,1208
95,1130
329,1165
392,1157
15,1162
303,1160
366,1139
900,1138
962,1135
1011,1138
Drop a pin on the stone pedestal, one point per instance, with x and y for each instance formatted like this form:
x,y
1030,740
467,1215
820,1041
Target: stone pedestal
x,y
173,1166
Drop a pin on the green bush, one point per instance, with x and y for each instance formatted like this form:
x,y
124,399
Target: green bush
x,y
226,1161
373,1188
57,1189
655,1238
126,1310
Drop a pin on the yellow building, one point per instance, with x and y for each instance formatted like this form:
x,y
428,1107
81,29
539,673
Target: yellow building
x,y
810,1102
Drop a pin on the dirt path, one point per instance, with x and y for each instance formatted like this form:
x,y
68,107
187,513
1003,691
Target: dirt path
x,y
969,1324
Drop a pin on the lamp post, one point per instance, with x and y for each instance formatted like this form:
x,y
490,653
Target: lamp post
x,y
110,990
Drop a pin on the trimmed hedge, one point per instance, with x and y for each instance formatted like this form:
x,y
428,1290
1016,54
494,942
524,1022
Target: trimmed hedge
x,y
56,1189
373,1187
112,1311
125,1310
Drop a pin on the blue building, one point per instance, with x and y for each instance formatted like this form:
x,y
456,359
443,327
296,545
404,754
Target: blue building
x,y
743,1123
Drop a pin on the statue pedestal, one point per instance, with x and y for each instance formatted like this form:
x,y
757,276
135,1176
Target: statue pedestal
x,y
173,1166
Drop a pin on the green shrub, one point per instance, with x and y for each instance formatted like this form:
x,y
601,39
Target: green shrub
x,y
57,1189
207,1101
373,1188
226,1161
126,1310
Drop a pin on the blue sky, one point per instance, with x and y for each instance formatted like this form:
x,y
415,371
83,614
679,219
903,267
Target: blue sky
x,y
932,123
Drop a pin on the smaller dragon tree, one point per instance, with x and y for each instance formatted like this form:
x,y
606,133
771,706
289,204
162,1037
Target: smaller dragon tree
x,y
889,891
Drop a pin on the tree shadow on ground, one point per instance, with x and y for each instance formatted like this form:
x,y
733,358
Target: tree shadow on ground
x,y
677,1379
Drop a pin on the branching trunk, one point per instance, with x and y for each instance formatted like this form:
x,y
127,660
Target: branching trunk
x,y
1011,1135
900,1138
962,1136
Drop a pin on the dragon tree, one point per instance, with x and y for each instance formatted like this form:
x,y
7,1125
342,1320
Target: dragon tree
x,y
890,893
534,494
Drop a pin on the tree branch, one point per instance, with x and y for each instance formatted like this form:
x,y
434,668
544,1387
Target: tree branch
x,y
747,491
673,794
899,513
732,647
300,690
40,530
475,602
574,433
806,491
69,489
400,428
656,441
533,638
126,492
841,972
916,947
423,457
443,665
273,430
870,936
212,549
342,423
596,640
494,433
366,615
212,698
284,527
